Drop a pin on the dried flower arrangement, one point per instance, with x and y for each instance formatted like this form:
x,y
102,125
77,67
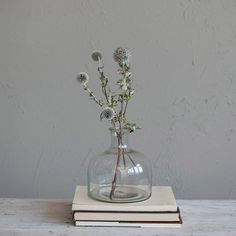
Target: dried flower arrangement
x,y
114,105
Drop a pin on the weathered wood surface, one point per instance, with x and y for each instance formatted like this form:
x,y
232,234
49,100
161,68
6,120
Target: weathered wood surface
x,y
53,217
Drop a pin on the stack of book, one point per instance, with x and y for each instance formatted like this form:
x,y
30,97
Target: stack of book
x,y
160,210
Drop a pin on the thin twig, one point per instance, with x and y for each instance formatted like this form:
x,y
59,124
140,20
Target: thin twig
x,y
102,76
116,172
131,159
123,154
126,104
92,95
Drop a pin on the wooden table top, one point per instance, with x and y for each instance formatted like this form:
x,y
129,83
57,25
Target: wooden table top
x,y
54,217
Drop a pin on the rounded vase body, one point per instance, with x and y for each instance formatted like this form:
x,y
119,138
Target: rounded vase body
x,y
119,174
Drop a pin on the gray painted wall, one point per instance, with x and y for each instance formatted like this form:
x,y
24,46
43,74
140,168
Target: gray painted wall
x,y
184,73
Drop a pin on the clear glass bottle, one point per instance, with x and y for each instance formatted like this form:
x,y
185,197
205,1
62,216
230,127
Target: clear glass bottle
x,y
119,174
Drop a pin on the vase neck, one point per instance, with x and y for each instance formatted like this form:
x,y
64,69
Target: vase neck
x,y
119,138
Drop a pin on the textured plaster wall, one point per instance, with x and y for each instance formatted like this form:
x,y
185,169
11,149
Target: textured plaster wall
x,y
184,71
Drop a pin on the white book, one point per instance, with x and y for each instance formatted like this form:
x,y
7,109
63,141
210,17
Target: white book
x,y
125,216
162,200
126,224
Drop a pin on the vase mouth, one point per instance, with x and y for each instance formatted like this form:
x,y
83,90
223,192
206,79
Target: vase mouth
x,y
119,137
116,129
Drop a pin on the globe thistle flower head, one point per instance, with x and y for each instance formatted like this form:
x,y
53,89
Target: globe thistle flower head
x,y
122,56
83,78
96,55
108,113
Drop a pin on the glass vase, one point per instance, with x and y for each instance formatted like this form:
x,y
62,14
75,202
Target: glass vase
x,y
119,174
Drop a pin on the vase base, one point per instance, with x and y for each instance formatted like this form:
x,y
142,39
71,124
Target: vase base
x,y
122,194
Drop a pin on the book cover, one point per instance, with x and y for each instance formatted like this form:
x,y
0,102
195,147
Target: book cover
x,y
162,200
137,224
126,216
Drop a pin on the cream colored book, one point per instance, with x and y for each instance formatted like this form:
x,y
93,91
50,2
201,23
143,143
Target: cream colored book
x,y
125,216
127,224
162,200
